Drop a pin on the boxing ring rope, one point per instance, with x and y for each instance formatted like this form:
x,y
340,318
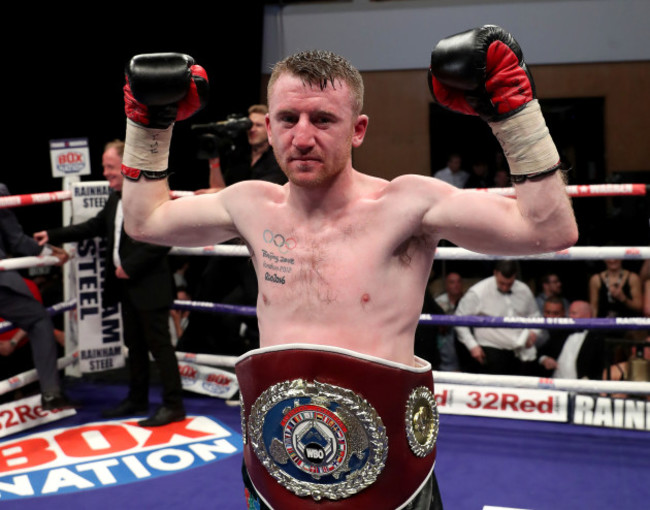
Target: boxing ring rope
x,y
27,262
451,253
56,309
586,190
21,380
56,196
624,323
529,382
580,190
441,253
568,385
506,381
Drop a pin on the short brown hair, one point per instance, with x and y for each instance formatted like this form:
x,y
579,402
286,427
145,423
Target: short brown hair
x,y
320,67
258,108
116,144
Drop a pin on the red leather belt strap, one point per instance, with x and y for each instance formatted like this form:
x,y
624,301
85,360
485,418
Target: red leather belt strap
x,y
385,386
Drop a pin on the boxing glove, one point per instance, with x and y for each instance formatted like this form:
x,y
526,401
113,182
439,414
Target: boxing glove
x,y
160,89
482,72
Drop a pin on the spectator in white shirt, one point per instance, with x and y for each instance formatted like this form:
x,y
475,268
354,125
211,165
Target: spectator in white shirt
x,y
499,350
453,173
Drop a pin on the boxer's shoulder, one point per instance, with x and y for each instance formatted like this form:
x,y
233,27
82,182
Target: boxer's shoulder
x,y
407,181
257,190
410,187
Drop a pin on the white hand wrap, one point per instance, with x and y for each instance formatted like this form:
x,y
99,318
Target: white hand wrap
x,y
147,149
526,142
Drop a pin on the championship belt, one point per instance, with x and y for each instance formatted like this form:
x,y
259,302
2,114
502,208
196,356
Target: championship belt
x,y
328,428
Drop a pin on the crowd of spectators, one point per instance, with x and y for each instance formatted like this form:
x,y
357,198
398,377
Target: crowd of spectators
x,y
579,353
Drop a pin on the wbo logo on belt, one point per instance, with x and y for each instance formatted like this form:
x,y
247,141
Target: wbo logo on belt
x,y
318,439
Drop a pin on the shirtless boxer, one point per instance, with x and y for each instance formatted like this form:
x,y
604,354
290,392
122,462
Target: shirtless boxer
x,y
336,410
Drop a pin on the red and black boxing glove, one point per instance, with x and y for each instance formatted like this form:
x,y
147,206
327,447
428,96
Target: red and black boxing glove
x,y
160,89
482,72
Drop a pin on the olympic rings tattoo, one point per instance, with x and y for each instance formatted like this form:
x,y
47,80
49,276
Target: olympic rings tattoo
x,y
279,241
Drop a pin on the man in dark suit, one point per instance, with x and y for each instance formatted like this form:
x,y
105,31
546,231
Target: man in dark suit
x,y
139,278
18,305
572,354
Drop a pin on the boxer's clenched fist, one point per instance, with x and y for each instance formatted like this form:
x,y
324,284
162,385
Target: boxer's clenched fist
x,y
160,89
482,72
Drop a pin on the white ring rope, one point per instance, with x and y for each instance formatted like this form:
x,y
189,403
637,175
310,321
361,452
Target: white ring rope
x,y
442,253
212,360
585,190
579,190
450,253
223,250
34,198
21,380
56,196
508,381
27,262
522,381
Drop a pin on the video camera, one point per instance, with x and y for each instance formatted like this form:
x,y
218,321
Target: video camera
x,y
214,137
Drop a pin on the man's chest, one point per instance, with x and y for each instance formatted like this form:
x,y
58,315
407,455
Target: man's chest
x,y
326,256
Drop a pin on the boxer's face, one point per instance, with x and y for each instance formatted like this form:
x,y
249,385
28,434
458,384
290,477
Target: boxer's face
x,y
312,131
112,164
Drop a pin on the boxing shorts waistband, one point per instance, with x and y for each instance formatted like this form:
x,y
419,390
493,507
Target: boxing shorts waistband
x,y
328,427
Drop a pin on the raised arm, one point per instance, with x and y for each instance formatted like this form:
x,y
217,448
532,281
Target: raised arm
x,y
540,220
161,89
482,72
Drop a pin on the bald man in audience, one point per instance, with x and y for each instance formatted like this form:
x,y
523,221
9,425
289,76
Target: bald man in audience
x,y
573,354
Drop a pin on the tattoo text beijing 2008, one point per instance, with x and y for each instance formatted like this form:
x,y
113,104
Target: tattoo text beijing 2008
x,y
274,262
